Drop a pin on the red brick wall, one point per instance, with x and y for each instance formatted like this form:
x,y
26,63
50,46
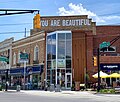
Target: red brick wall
x,y
107,33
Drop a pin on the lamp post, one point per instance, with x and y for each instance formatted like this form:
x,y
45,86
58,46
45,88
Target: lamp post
x,y
6,84
98,63
24,59
103,45
24,73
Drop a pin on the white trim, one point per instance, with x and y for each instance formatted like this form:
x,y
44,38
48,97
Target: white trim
x,y
56,32
56,56
66,74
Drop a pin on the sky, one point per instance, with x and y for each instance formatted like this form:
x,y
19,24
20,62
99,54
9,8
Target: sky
x,y
103,12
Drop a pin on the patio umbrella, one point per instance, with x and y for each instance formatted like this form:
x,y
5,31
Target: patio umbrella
x,y
114,75
102,75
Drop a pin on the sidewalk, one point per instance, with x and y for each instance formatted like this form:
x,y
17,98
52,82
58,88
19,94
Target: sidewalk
x,y
51,94
83,94
57,94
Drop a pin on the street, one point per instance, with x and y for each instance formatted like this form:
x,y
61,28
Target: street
x,y
42,96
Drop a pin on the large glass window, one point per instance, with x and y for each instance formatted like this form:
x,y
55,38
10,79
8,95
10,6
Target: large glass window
x,y
62,43
61,46
49,51
68,49
53,45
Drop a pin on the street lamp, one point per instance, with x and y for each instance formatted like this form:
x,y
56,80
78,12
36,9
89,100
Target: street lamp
x,y
103,45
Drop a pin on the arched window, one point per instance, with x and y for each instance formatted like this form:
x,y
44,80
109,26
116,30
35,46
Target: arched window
x,y
36,53
18,56
14,58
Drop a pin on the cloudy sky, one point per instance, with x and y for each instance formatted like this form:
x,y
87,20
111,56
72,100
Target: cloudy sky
x,y
103,12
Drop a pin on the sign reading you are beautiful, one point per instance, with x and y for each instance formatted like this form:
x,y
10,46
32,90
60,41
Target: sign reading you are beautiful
x,y
63,22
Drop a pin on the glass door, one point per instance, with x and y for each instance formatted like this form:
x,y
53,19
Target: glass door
x,y
68,81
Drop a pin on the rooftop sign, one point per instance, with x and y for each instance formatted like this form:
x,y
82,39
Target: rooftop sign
x,y
52,23
65,22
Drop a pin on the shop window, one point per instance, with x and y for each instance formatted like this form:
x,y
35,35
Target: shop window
x,y
53,45
49,47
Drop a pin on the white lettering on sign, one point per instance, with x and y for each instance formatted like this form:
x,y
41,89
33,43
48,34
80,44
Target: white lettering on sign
x,y
44,23
67,22
55,22
110,66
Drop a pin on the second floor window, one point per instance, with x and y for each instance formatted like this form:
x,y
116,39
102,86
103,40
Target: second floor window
x,y
14,58
36,53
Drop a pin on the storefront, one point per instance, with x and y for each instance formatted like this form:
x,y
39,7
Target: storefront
x,y
2,76
59,58
32,76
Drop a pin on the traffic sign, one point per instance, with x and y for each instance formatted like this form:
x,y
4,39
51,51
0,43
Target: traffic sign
x,y
24,57
3,58
104,44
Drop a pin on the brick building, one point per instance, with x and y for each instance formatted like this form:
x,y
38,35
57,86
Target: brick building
x,y
34,46
66,46
6,51
73,41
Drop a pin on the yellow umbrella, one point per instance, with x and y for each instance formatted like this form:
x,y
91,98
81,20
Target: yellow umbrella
x,y
102,75
114,75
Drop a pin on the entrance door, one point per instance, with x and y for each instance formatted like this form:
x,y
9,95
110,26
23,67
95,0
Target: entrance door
x,y
68,81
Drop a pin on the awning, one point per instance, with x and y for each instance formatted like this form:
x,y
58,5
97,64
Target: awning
x,y
28,70
110,66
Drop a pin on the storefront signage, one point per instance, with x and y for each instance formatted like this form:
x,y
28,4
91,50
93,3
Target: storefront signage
x,y
61,63
110,66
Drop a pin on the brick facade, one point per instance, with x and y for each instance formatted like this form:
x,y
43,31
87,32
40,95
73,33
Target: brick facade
x,y
91,36
28,44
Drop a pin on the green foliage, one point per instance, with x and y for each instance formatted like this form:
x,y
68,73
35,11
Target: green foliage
x,y
0,87
108,91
